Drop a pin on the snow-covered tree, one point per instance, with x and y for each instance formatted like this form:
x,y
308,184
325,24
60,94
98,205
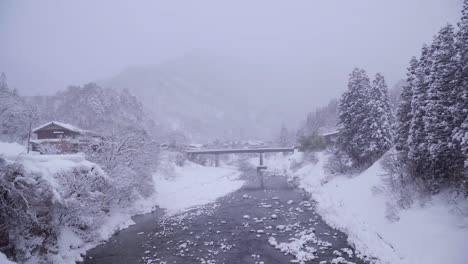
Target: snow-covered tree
x,y
3,82
439,119
461,136
460,93
379,119
353,112
431,136
461,46
129,157
16,115
95,108
404,109
417,140
322,119
284,138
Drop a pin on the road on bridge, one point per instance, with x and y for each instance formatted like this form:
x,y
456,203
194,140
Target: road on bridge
x,y
236,229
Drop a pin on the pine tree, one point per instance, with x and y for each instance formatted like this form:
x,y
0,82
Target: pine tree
x,y
283,138
353,110
417,146
462,138
3,83
379,118
460,93
439,121
404,109
461,45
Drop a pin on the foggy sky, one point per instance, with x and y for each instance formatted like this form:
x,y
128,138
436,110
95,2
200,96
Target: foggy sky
x,y
80,41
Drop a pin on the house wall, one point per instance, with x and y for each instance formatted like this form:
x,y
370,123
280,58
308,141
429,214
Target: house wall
x,y
49,132
330,139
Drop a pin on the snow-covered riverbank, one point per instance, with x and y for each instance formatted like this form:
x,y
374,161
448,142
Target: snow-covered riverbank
x,y
432,232
194,185
177,188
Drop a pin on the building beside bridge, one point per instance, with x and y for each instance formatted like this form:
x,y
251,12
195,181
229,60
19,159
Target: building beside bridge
x,y
62,138
330,137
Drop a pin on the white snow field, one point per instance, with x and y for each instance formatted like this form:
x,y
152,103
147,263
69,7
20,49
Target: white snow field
x,y
194,185
11,150
433,233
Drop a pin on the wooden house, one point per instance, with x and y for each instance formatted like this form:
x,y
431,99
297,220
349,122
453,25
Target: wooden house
x,y
61,138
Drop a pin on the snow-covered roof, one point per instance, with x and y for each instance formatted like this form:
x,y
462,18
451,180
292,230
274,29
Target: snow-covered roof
x,y
331,133
64,125
254,142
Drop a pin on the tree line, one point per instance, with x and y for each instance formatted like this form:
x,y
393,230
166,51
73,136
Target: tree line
x,y
431,129
31,215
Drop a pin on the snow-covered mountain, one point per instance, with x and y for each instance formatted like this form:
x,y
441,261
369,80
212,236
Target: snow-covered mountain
x,y
211,97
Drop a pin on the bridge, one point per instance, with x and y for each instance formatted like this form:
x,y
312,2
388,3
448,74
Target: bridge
x,y
218,152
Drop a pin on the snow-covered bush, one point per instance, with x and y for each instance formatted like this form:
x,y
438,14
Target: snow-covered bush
x,y
35,207
340,163
312,142
82,197
180,159
16,115
48,148
129,157
26,209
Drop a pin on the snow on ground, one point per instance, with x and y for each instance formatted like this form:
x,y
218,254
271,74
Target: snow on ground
x,y
11,150
194,185
5,260
298,246
434,233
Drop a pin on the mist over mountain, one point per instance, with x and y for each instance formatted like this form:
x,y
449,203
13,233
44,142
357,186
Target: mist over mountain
x,y
28,79
210,97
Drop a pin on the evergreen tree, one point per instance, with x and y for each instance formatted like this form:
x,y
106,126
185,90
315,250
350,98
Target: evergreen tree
x,y
379,118
404,110
284,138
460,93
461,45
3,83
462,137
439,120
417,154
353,110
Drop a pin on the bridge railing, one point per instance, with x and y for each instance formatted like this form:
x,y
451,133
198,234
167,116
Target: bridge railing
x,y
218,152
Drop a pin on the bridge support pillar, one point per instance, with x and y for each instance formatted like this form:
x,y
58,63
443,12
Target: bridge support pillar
x,y
217,160
261,158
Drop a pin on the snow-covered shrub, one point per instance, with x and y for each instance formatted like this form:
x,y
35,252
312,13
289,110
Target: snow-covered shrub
x,y
26,209
200,159
16,115
48,148
82,198
340,163
312,142
35,208
398,184
396,178
180,159
129,157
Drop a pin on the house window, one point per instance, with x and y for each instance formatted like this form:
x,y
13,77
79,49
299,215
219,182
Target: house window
x,y
58,134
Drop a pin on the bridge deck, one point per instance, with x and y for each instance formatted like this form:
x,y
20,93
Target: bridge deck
x,y
231,151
